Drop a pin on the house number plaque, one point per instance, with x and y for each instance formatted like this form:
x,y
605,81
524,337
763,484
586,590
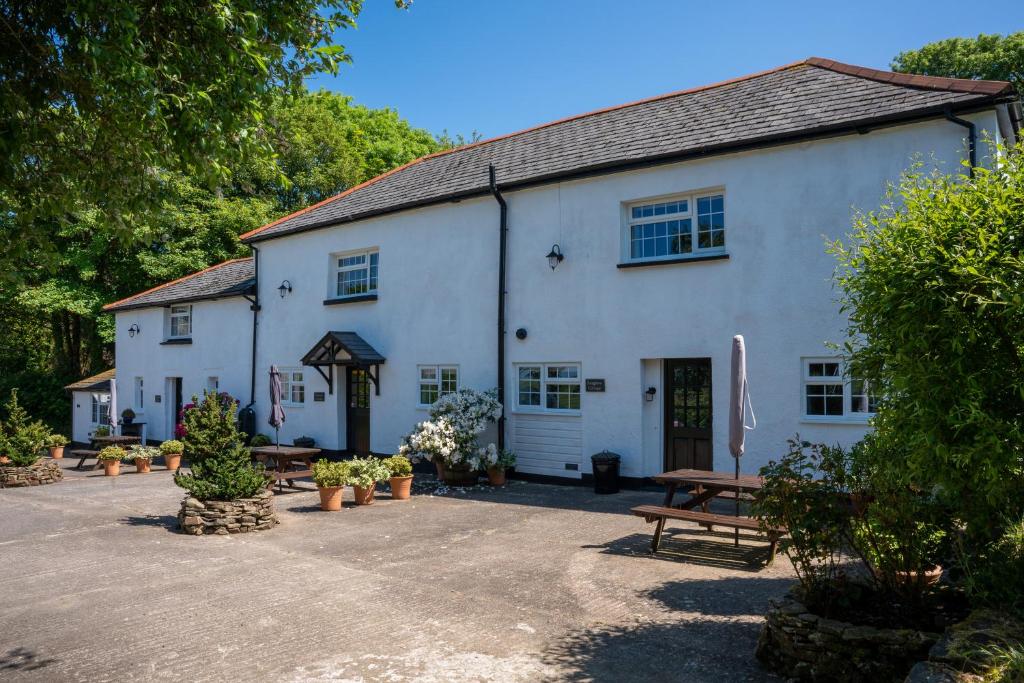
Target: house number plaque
x,y
595,384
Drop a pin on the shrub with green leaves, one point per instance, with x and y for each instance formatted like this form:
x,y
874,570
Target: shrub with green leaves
x,y
101,431
21,438
221,468
259,440
172,447
56,440
999,579
365,472
398,466
139,452
112,453
327,473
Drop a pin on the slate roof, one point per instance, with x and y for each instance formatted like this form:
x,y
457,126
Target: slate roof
x,y
325,351
98,382
230,278
809,98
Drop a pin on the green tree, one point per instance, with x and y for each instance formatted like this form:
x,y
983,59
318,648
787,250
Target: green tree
x,y
21,438
988,57
100,100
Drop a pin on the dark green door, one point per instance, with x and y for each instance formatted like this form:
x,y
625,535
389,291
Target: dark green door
x,y
358,412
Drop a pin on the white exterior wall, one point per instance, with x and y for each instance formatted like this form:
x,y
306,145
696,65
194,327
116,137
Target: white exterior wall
x,y
82,426
437,301
221,347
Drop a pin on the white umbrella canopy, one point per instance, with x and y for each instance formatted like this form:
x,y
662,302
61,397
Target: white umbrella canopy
x,y
739,405
112,413
277,417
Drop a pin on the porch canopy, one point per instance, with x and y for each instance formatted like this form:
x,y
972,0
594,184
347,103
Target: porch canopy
x,y
347,349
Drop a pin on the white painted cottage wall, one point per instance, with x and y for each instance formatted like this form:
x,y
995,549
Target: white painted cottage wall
x,y
82,425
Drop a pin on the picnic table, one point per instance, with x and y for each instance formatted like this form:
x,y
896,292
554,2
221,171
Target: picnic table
x,y
279,459
98,442
705,485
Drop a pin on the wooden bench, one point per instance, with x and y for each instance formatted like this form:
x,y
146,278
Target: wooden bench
x,y
657,513
83,454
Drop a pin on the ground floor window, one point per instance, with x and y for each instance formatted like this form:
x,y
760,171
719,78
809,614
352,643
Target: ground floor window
x,y
830,394
436,381
293,387
549,387
101,409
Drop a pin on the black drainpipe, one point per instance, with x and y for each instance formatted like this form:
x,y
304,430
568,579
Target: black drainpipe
x,y
255,307
502,241
972,139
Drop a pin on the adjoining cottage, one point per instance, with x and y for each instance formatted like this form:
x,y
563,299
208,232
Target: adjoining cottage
x,y
594,269
90,405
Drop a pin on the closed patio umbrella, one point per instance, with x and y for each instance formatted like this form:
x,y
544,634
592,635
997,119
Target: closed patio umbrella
x,y
112,413
739,404
276,418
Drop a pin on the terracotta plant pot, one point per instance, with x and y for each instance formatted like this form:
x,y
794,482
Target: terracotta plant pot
x,y
173,461
462,475
401,487
56,452
111,468
330,497
142,465
923,578
364,496
496,476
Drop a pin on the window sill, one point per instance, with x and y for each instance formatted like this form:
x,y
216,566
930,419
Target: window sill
x,y
350,299
176,341
673,261
852,421
547,413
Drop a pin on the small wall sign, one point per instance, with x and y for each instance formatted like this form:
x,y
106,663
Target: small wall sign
x,y
318,396
595,384
156,399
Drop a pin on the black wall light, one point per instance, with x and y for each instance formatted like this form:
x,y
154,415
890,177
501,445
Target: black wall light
x,y
285,288
649,394
134,330
555,256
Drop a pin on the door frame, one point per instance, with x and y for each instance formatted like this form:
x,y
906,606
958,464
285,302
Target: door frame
x,y
668,405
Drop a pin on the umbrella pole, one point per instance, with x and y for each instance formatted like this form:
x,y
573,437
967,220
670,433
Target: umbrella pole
x,y
737,539
277,437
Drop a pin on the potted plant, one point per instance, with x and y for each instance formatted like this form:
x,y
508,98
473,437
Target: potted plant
x,y
330,478
172,450
56,443
127,416
304,442
102,430
400,469
364,475
143,457
111,457
496,464
259,441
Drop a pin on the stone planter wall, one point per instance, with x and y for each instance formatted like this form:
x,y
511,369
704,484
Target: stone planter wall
x,y
807,647
227,517
43,472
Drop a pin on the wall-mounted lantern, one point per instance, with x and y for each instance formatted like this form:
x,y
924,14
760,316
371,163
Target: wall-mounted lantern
x,y
285,288
555,256
649,394
134,330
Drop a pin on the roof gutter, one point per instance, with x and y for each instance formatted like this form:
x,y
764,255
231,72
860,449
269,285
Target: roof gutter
x,y
972,139
502,254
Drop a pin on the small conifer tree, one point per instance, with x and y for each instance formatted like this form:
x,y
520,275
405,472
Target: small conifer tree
x,y
220,463
21,439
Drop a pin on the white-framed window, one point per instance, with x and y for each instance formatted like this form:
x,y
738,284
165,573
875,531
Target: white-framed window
x,y
830,395
293,387
436,381
139,396
101,409
553,387
680,227
179,322
355,274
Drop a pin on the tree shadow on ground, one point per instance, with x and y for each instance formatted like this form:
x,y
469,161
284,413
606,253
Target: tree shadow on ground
x,y
23,659
693,651
695,546
733,597
168,522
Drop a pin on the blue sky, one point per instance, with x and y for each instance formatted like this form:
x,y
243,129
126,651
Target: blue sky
x,y
499,66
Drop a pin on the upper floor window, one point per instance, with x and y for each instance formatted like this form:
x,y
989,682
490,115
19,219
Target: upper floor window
x,y
293,387
436,381
829,394
356,274
179,322
549,387
665,229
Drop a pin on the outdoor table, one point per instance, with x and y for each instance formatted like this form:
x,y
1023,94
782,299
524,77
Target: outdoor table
x,y
283,457
98,442
706,485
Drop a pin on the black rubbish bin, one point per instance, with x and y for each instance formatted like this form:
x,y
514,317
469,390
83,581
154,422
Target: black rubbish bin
x,y
606,472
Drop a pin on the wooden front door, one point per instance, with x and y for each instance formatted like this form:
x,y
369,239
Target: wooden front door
x,y
688,414
358,412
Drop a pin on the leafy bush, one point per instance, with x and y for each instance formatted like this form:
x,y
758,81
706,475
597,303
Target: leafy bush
x,y
56,440
365,472
327,473
101,431
21,439
450,435
112,453
128,414
490,457
398,466
220,463
172,447
999,580
138,452
259,440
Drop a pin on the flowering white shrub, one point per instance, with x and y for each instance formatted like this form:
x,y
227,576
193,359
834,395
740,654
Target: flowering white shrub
x,y
449,436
